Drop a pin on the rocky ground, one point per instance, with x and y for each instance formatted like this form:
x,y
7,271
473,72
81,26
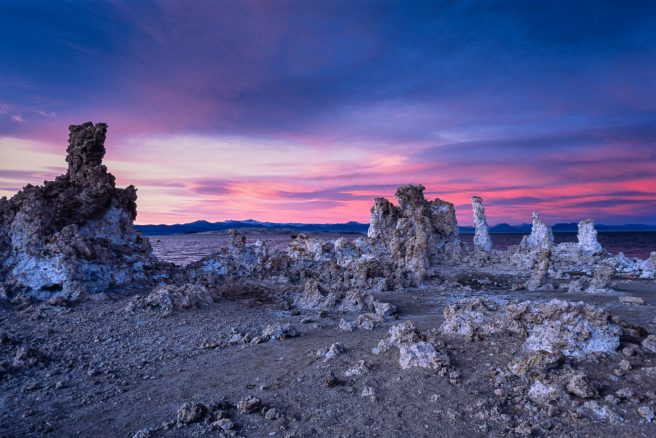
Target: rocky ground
x,y
100,369
403,332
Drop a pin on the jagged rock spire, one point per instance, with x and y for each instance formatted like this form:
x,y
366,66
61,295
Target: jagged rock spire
x,y
541,237
482,239
86,146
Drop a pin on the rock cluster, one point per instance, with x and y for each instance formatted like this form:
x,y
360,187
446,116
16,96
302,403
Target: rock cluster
x,y
169,298
73,236
570,329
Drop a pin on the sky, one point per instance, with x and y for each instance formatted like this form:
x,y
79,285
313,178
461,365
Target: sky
x,y
304,111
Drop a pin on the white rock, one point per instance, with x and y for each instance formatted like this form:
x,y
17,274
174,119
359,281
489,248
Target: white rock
x,y
587,237
421,354
542,393
482,239
541,237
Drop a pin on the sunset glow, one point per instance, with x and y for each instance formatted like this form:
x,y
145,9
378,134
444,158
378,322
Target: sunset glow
x,y
280,112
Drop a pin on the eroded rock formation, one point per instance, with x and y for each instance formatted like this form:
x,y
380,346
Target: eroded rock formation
x,y
482,239
587,237
414,235
541,237
74,235
571,329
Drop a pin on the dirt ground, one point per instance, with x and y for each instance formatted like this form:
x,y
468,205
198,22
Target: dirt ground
x,y
108,371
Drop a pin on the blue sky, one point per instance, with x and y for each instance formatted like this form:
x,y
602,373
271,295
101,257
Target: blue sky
x,y
285,110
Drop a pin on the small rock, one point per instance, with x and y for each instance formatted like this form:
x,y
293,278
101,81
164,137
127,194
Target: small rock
x,y
331,380
28,357
346,326
580,386
646,412
249,405
191,412
626,299
542,393
272,414
603,412
625,393
279,331
369,392
334,350
224,424
358,369
421,354
143,433
625,365
384,309
630,350
368,321
208,344
649,343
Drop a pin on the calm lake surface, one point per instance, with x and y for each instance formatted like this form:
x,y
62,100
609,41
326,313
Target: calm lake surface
x,y
186,248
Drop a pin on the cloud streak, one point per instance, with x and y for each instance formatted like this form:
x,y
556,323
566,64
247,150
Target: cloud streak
x,y
305,111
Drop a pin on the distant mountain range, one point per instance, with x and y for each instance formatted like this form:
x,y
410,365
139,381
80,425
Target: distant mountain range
x,y
351,227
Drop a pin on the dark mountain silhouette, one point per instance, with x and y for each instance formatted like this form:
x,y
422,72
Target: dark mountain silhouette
x,y
352,227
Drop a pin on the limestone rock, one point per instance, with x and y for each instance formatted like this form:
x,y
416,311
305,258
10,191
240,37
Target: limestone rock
x,y
249,405
169,298
413,235
482,239
629,299
75,233
647,267
540,273
542,393
601,279
238,260
579,385
541,237
647,413
279,331
421,354
649,343
318,296
573,329
359,369
578,285
191,412
416,349
587,237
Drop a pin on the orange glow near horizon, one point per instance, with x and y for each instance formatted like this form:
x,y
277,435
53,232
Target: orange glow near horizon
x,y
215,180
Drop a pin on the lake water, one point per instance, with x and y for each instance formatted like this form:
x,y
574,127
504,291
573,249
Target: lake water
x,y
186,248
631,244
